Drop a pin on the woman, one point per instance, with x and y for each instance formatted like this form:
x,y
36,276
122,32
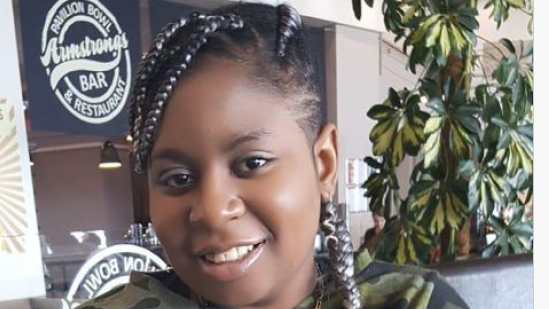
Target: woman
x,y
226,122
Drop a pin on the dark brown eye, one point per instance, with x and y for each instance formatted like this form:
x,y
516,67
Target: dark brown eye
x,y
249,165
176,180
254,163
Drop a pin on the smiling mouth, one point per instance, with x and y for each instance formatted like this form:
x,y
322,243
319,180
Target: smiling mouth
x,y
231,255
233,263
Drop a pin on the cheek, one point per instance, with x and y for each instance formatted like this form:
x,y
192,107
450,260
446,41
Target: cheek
x,y
291,208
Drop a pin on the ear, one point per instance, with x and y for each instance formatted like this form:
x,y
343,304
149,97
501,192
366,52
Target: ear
x,y
325,156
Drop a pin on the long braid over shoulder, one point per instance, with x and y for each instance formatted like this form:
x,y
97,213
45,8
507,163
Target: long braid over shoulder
x,y
340,249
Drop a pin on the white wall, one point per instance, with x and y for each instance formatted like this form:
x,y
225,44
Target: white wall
x,y
331,11
339,12
21,273
353,82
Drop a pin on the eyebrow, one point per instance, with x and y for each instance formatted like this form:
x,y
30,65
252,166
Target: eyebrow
x,y
173,154
248,137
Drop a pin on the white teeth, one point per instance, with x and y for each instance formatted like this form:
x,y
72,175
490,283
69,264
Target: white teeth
x,y
219,258
242,250
233,254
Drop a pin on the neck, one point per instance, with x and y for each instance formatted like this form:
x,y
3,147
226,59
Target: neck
x,y
298,288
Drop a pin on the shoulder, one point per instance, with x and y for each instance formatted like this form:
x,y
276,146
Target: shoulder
x,y
145,290
384,284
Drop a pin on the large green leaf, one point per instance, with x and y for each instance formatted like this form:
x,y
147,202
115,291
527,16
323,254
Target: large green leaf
x,y
399,129
487,187
507,71
438,204
467,116
404,242
393,17
500,9
516,146
441,33
515,139
513,235
382,135
421,193
357,7
431,150
508,44
381,187
458,142
381,112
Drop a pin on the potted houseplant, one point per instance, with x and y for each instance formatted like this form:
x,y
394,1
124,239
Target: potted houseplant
x,y
474,141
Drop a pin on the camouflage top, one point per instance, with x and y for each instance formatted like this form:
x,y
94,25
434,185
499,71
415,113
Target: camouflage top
x,y
382,285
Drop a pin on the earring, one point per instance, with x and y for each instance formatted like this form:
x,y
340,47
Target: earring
x,y
328,222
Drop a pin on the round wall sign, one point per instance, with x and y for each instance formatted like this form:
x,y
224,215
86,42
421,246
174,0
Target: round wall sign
x,y
110,268
86,56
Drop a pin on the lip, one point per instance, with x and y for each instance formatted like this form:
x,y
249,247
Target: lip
x,y
228,271
218,249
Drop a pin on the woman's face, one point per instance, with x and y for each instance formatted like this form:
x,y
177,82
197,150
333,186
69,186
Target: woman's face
x,y
234,189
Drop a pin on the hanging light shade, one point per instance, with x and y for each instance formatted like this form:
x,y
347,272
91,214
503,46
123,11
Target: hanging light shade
x,y
109,157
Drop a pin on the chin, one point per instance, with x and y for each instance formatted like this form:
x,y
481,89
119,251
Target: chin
x,y
239,295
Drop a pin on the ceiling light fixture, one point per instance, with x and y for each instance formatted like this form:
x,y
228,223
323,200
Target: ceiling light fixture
x,y
109,157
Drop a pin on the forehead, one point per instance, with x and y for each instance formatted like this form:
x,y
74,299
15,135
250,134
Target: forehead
x,y
218,101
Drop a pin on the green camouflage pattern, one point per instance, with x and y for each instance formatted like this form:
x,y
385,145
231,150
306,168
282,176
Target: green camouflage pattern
x,y
382,285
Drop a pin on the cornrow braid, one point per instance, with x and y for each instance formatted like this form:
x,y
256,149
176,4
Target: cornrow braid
x,y
340,249
148,67
206,26
288,26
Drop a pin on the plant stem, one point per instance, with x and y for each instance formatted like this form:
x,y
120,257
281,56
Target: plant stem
x,y
483,70
493,45
468,69
420,77
526,12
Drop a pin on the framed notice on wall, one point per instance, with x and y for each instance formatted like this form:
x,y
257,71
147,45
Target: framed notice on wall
x,y
80,59
20,258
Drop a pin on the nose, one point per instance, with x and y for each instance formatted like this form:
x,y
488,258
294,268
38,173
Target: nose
x,y
216,203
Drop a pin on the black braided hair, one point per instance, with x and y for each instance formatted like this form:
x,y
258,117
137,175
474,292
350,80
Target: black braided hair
x,y
268,41
270,44
205,25
340,249
147,69
288,27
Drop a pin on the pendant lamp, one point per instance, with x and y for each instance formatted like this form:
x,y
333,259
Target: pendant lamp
x,y
109,157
